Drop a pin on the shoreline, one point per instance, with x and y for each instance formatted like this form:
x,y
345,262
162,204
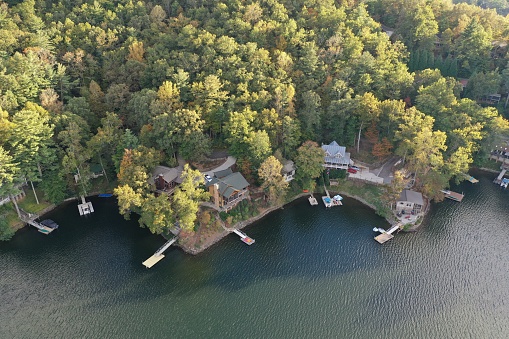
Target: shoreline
x,y
242,224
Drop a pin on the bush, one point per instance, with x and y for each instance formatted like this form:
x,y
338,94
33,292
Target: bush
x,y
223,215
6,232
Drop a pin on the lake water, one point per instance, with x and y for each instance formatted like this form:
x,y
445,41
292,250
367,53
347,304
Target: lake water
x,y
312,273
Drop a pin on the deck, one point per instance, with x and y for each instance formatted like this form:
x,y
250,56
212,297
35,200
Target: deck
x,y
153,260
243,236
384,237
158,255
387,235
453,195
313,201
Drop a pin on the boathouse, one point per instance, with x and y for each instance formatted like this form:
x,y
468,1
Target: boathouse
x,y
336,156
228,189
410,202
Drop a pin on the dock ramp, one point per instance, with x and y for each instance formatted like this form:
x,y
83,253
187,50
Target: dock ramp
x,y
158,255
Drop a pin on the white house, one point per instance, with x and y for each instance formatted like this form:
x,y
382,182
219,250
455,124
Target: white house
x,y
410,202
288,171
336,156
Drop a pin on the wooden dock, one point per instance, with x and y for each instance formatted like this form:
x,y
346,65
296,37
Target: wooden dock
x,y
471,179
158,255
453,195
387,235
243,236
328,201
383,237
312,200
30,220
498,180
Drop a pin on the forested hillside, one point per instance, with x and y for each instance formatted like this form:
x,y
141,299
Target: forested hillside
x,y
130,84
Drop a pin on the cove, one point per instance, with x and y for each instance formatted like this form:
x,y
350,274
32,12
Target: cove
x,y
313,273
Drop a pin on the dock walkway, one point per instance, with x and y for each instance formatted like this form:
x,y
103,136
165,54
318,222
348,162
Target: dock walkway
x,y
30,219
158,255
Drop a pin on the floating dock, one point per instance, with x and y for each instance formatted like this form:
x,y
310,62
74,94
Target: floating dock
x,y
498,180
384,235
471,179
312,200
504,182
245,239
85,207
334,201
329,202
158,255
453,195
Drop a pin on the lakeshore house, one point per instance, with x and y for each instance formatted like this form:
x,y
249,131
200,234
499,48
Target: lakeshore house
x,y
96,171
166,179
410,202
288,171
227,189
16,196
336,156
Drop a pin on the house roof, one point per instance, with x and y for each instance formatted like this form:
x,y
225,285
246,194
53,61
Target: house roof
x,y
411,196
336,154
223,173
229,184
169,174
288,167
333,149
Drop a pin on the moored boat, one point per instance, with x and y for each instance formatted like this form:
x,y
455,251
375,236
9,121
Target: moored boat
x,y
49,223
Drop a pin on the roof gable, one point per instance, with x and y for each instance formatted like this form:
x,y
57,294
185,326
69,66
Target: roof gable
x,y
334,150
411,196
223,173
230,184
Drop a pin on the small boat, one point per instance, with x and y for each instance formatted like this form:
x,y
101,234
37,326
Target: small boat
x,y
49,223
375,229
105,195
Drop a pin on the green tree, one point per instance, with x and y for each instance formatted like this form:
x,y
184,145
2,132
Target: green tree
x,y
9,176
473,47
273,181
187,197
309,162
31,142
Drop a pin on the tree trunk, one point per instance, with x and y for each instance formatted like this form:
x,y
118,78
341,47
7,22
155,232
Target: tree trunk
x,y
359,138
35,194
104,172
15,205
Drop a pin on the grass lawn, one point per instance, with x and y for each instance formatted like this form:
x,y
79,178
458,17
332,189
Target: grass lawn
x,y
29,204
372,194
491,164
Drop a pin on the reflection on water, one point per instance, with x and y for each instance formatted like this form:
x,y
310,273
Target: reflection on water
x,y
313,273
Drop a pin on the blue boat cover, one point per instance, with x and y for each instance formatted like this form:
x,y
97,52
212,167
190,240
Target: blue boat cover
x,y
105,195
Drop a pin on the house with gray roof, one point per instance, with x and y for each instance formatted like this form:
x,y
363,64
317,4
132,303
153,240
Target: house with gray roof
x,y
228,189
288,171
166,179
336,156
410,202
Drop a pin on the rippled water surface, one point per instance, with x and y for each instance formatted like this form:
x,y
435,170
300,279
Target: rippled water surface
x,y
313,273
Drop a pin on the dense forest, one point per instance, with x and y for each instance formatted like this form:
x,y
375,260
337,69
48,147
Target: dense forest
x,y
132,84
